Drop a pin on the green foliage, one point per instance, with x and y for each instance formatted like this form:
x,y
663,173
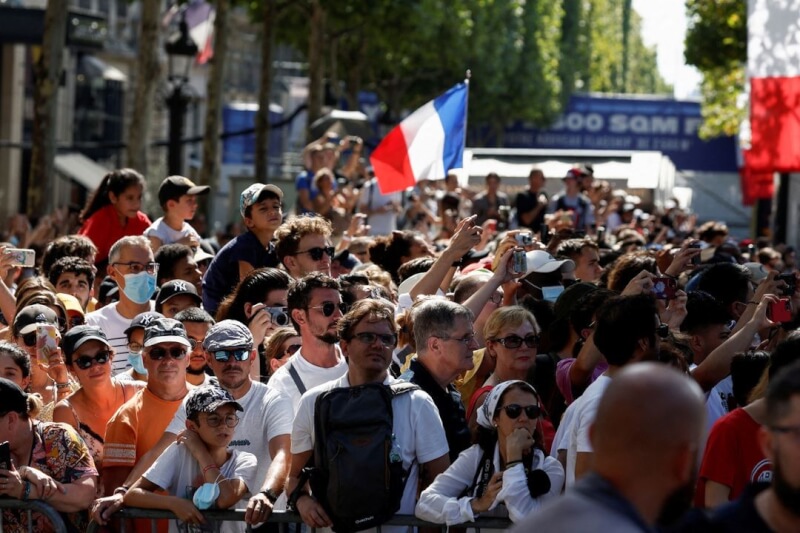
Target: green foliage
x,y
716,43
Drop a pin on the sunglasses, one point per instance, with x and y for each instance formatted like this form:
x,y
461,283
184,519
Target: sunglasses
x,y
328,308
85,362
291,349
389,341
157,354
514,410
316,253
515,341
214,421
224,356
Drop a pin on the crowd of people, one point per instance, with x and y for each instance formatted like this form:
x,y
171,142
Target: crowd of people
x,y
568,363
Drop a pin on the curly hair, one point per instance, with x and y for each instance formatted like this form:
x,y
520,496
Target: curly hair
x,y
291,232
628,266
388,251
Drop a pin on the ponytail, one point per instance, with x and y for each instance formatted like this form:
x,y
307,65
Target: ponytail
x,y
116,181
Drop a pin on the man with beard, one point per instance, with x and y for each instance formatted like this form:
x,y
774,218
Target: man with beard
x,y
196,321
646,435
264,429
315,307
775,506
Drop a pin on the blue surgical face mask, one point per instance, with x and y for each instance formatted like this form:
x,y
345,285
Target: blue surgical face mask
x,y
551,294
139,287
205,496
136,362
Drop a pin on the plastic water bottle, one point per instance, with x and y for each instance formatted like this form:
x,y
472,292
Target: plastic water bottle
x,y
394,454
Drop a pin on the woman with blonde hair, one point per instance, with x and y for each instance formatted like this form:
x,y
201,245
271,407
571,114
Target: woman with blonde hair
x,y
512,339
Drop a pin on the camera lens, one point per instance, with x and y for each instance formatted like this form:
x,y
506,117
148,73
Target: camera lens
x,y
280,319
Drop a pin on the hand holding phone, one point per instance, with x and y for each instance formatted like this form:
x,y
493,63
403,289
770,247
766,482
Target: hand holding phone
x,y
665,288
780,311
47,340
21,257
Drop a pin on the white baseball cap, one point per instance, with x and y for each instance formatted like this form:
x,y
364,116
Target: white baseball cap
x,y
543,263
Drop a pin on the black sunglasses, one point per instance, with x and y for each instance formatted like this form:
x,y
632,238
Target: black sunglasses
x,y
85,362
316,253
225,355
157,354
515,341
29,339
514,410
291,349
328,308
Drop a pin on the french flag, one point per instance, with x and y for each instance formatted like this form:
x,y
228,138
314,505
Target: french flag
x,y
426,145
773,68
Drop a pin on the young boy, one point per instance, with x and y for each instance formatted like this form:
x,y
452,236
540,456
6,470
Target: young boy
x,y
178,198
190,468
135,336
75,276
260,206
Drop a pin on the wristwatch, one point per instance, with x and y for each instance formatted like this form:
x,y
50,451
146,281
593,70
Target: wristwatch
x,y
271,496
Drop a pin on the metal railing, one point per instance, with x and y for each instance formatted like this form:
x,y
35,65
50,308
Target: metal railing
x,y
284,518
31,507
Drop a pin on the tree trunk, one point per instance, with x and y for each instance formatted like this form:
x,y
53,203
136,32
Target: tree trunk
x,y
148,72
316,64
45,99
264,90
209,170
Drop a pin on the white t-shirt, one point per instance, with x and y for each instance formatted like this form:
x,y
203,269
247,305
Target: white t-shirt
x,y
717,401
415,423
564,431
584,418
177,472
114,325
371,198
311,375
266,414
160,230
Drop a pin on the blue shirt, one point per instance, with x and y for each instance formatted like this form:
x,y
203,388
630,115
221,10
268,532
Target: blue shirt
x,y
222,275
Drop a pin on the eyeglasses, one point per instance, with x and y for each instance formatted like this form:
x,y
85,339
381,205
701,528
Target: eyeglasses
x,y
512,342
514,410
134,347
316,253
662,331
214,421
328,308
224,356
467,339
135,267
157,354
85,362
388,340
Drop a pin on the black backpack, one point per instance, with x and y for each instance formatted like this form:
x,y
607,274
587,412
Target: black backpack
x,y
358,475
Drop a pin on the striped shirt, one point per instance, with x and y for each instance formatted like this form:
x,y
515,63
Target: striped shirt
x,y
114,325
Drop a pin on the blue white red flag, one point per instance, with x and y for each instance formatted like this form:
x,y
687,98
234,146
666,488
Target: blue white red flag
x,y
426,145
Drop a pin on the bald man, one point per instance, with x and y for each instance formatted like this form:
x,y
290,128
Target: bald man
x,y
646,437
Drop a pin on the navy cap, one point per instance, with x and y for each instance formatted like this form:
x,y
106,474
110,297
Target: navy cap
x,y
79,335
165,330
207,399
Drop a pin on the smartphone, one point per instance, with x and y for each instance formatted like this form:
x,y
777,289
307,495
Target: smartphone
x,y
5,455
664,288
791,283
696,258
544,233
22,257
47,338
780,311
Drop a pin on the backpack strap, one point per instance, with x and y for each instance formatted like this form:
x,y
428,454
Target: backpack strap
x,y
296,377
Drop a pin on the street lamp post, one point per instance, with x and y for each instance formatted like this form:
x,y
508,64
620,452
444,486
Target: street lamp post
x,y
181,51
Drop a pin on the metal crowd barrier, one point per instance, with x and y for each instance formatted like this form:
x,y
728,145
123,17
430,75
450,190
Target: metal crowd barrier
x,y
33,506
283,519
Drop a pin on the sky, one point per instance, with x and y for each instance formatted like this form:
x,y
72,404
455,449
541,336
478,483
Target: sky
x,y
658,15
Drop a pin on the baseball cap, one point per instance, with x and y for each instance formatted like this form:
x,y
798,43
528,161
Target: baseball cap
x,y
165,330
12,398
142,320
31,316
575,173
227,335
176,287
207,399
72,304
756,271
254,194
108,288
543,263
174,187
79,335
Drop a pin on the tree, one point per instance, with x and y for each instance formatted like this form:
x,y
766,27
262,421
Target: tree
x,y
716,43
148,72
47,75
209,170
268,16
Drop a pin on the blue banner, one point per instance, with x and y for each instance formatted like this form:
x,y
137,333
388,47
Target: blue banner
x,y
628,123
